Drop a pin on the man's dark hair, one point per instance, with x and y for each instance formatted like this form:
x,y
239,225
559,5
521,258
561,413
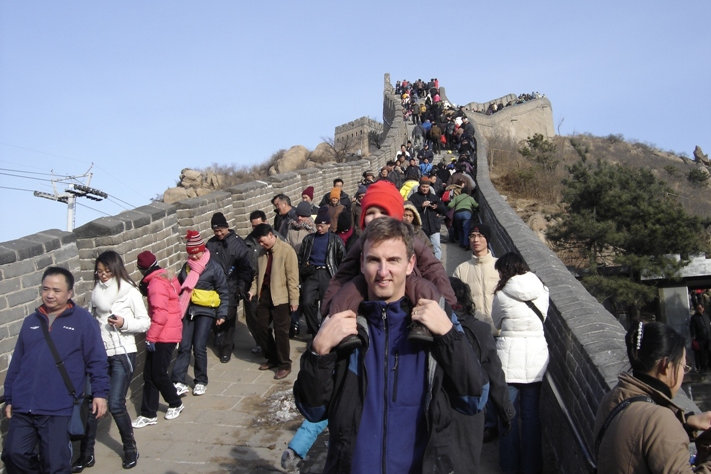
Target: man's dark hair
x,y
282,197
262,230
386,228
257,215
337,180
51,271
390,163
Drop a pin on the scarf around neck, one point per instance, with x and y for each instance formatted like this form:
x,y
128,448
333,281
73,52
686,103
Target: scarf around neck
x,y
196,267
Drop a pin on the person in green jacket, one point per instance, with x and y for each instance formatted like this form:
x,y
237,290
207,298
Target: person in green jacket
x,y
465,208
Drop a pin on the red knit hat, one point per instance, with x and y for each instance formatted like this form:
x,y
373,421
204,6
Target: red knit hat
x,y
193,242
384,195
309,192
146,260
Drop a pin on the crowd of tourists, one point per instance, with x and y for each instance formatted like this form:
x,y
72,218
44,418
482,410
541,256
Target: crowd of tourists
x,y
467,351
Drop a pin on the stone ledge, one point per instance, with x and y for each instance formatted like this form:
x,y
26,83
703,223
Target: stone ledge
x,y
101,227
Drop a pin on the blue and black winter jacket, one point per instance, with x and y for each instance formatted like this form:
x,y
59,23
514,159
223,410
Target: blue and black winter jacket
x,y
34,384
390,404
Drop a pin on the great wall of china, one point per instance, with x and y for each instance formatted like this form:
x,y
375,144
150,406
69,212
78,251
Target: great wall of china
x,y
586,342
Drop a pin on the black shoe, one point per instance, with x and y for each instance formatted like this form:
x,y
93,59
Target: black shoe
x,y
420,333
349,343
130,459
294,330
226,354
82,462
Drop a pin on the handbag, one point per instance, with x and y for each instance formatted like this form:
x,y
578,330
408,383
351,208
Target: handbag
x,y
80,411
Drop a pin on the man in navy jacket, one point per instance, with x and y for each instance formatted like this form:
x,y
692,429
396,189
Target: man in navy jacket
x,y
38,402
390,402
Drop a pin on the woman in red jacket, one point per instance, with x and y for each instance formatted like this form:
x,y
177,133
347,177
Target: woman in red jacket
x,y
166,330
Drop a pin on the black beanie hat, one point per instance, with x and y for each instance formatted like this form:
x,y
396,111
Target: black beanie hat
x,y
218,220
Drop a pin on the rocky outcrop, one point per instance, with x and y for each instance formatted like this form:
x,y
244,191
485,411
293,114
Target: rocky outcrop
x,y
324,153
700,156
193,183
294,158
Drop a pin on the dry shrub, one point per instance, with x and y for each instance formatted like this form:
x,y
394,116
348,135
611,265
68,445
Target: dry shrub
x,y
519,177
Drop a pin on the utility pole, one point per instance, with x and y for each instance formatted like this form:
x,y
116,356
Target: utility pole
x,y
70,195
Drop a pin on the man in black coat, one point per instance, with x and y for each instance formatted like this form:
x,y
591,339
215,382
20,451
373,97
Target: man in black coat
x,y
431,210
320,255
229,250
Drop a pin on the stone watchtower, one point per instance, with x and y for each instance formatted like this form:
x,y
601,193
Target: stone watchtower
x,y
352,137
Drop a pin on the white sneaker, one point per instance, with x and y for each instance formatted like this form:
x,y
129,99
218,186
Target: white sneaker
x,y
174,412
143,421
181,388
199,389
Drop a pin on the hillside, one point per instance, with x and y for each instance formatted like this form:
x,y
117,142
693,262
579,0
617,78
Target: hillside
x,y
536,196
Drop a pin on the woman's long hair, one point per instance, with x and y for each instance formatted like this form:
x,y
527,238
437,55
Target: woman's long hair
x,y
509,265
113,262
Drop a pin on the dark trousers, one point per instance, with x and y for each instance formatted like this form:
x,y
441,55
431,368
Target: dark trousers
x,y
702,357
313,288
274,346
25,432
225,332
196,330
156,380
250,314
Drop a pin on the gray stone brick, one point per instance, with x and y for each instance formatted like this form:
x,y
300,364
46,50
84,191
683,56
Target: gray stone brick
x,y
18,269
22,297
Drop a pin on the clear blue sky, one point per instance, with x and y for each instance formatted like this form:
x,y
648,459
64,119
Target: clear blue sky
x,y
145,88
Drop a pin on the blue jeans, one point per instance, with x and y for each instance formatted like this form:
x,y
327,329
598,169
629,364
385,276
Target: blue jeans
x,y
520,450
462,223
195,334
434,238
121,369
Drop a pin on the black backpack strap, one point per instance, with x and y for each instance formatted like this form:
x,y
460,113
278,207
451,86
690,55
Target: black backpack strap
x,y
535,309
616,411
58,361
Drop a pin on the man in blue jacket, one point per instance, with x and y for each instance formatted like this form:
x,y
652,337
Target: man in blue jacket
x,y
38,402
390,402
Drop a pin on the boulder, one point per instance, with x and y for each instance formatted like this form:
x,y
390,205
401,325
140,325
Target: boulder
x,y
700,156
190,178
293,159
176,194
324,153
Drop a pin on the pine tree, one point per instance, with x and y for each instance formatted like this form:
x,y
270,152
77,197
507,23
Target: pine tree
x,y
625,218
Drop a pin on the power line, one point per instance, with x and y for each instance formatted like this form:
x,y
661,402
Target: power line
x,y
29,177
16,189
34,172
130,206
96,210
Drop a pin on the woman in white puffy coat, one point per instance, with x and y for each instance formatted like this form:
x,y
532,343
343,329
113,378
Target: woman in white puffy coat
x,y
118,307
522,348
